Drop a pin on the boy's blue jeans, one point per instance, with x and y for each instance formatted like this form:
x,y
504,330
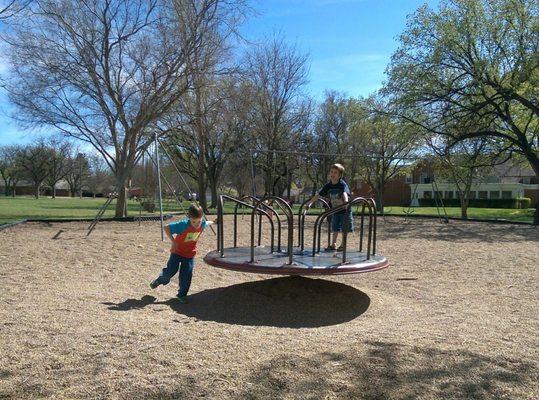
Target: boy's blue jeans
x,y
185,265
338,222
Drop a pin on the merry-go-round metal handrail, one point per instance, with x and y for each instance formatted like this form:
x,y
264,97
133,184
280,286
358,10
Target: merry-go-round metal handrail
x,y
220,225
261,207
346,208
285,207
265,207
301,220
369,202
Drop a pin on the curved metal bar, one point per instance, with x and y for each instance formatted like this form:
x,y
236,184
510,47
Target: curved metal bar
x,y
318,229
220,226
375,214
363,201
290,219
345,207
236,206
220,236
301,220
318,225
255,200
361,228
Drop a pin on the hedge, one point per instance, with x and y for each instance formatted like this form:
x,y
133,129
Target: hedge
x,y
520,203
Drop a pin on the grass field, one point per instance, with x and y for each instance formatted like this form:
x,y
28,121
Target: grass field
x,y
481,213
13,209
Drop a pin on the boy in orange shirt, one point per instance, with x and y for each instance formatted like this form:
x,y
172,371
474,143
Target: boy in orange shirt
x,y
183,250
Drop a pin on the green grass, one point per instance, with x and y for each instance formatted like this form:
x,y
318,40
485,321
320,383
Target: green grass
x,y
13,209
479,213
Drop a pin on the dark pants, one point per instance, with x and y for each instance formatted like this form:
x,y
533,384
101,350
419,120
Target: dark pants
x,y
185,265
340,220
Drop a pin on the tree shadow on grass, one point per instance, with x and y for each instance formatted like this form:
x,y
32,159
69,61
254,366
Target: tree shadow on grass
x,y
382,370
291,302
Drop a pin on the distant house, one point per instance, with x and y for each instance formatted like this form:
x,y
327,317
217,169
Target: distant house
x,y
25,188
506,182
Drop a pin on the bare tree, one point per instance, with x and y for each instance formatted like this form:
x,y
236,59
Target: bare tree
x,y
225,123
10,168
106,71
58,166
195,124
77,173
331,135
230,134
10,8
34,160
383,144
99,178
278,72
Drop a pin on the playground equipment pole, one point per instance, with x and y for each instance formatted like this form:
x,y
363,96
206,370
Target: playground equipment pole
x,y
159,185
253,174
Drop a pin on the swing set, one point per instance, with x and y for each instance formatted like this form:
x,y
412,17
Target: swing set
x,y
155,159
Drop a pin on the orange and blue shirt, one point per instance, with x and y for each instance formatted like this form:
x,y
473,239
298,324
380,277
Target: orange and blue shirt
x,y
186,237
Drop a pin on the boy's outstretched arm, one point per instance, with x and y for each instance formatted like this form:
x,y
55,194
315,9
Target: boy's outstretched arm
x,y
313,200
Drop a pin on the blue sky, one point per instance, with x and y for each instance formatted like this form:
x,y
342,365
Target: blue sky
x,y
349,43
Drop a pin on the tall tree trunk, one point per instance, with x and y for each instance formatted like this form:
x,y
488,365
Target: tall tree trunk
x,y
315,187
6,186
464,208
54,191
121,187
533,159
121,202
289,186
201,183
36,191
380,199
268,183
213,188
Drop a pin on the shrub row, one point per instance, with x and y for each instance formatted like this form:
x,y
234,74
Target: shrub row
x,y
520,203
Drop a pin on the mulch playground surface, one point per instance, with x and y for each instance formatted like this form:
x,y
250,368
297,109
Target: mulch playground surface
x,y
454,316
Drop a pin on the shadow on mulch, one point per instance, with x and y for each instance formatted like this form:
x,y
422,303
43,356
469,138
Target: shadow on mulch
x,y
288,302
382,370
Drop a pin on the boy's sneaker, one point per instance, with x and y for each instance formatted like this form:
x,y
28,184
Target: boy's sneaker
x,y
182,299
340,248
331,248
154,283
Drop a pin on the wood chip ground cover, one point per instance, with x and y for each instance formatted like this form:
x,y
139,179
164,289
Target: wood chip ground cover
x,y
454,316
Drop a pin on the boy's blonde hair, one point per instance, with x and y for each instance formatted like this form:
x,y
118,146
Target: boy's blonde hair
x,y
338,167
195,211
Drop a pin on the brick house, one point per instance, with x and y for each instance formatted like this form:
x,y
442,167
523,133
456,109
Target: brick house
x,y
25,188
506,182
